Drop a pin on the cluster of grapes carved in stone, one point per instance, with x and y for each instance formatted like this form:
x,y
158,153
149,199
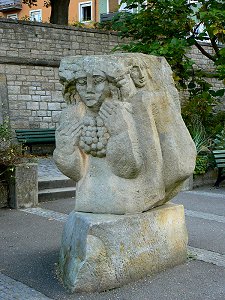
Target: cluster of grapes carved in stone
x,y
94,137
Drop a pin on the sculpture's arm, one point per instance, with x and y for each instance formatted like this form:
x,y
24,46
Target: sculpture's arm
x,y
67,155
178,149
123,152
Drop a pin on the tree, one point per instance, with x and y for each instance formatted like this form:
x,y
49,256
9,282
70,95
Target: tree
x,y
170,28
59,10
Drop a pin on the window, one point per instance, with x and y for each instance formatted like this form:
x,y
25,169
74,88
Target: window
x,y
12,16
103,7
123,7
36,15
200,30
85,13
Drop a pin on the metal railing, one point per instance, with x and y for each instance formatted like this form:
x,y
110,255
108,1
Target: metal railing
x,y
10,4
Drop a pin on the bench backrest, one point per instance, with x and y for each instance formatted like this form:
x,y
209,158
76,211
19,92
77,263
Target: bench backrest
x,y
35,135
219,156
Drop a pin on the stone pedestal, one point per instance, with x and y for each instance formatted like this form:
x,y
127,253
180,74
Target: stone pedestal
x,y
101,252
23,186
3,194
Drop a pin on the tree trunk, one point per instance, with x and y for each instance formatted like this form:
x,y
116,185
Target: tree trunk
x,y
59,12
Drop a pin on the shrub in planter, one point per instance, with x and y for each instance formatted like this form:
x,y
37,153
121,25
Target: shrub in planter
x,y
18,173
10,154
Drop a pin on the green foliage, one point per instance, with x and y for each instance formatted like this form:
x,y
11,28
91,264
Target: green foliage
x,y
160,28
78,24
202,101
169,28
199,136
202,163
5,132
10,154
25,18
219,141
202,143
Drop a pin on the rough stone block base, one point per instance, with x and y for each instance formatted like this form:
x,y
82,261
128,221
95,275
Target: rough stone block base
x,y
101,252
24,186
3,194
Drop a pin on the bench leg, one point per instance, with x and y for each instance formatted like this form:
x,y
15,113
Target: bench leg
x,y
220,178
23,149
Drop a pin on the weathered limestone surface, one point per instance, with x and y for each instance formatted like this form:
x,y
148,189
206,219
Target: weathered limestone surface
x,y
122,137
24,186
101,251
123,140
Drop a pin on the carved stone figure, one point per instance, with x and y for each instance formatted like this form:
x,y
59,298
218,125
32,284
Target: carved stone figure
x,y
122,138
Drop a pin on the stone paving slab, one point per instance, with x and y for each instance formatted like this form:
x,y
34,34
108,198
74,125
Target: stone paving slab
x,y
205,216
45,213
208,256
30,246
206,234
203,200
37,269
29,249
64,206
11,289
190,281
47,169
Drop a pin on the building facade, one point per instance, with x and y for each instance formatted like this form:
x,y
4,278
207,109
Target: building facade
x,y
85,11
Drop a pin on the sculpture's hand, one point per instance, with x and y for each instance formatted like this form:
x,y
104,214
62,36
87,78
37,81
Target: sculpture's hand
x,y
67,135
116,115
66,154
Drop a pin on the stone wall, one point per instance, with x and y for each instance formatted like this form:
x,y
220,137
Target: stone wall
x,y
30,53
205,63
34,95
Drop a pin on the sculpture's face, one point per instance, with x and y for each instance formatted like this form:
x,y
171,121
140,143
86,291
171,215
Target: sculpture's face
x,y
138,76
92,87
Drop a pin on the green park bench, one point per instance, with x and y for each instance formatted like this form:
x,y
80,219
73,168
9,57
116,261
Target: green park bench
x,y
30,137
219,156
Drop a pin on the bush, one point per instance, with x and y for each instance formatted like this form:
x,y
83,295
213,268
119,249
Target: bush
x,y
10,154
219,141
202,164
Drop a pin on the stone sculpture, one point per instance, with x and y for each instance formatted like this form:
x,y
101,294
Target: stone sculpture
x,y
127,113
123,140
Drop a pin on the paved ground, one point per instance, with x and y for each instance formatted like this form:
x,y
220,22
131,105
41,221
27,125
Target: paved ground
x,y
47,168
30,241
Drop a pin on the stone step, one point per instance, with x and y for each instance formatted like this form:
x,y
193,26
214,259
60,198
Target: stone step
x,y
56,194
55,182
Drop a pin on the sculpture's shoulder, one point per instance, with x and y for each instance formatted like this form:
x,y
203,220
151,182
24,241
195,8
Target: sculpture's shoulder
x,y
144,98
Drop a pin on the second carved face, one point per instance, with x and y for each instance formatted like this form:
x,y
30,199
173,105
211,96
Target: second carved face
x,y
138,76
